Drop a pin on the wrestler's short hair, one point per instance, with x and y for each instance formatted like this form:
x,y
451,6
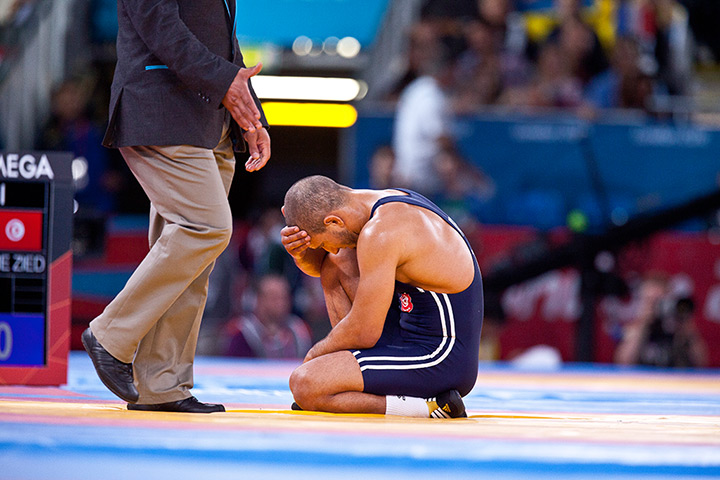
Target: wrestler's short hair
x,y
311,199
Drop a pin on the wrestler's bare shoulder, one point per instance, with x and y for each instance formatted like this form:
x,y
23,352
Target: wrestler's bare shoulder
x,y
429,252
396,220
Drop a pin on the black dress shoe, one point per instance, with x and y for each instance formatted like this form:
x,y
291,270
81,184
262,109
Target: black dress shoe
x,y
188,405
116,375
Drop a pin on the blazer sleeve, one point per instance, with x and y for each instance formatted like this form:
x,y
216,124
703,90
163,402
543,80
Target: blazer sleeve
x,y
159,25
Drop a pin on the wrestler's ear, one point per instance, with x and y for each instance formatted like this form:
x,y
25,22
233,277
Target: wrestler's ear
x,y
333,220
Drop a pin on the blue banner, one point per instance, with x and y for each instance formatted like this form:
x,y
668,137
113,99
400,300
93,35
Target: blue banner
x,y
546,166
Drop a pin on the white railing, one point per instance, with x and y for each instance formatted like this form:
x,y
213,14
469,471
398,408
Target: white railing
x,y
38,67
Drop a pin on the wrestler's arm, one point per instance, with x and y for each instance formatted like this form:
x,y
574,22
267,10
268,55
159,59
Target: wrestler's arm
x,y
378,252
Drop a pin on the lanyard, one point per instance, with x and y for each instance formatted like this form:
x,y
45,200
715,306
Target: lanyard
x,y
232,38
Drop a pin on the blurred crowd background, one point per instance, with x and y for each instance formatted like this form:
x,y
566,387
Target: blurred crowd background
x,y
539,125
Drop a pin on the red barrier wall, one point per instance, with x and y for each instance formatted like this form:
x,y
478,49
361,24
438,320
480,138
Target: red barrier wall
x,y
545,310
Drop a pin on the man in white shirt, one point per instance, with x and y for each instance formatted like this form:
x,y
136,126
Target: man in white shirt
x,y
423,124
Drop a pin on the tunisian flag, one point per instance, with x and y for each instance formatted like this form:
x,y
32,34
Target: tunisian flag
x,y
21,230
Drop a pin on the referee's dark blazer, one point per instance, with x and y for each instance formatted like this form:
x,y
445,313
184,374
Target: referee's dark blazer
x,y
176,60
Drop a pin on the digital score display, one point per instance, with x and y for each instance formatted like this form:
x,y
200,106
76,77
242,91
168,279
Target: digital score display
x,y
35,264
23,271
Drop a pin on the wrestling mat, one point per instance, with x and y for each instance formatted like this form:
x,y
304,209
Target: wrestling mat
x,y
573,422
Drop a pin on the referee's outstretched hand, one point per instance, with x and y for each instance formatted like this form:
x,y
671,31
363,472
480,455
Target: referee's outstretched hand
x,y
240,103
259,147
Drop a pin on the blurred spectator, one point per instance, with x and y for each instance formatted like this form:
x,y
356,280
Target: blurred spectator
x,y
497,54
582,49
381,167
422,48
636,90
553,85
663,31
480,69
627,84
225,287
71,128
447,18
664,333
481,45
507,26
499,65
270,330
262,252
578,42
423,123
464,190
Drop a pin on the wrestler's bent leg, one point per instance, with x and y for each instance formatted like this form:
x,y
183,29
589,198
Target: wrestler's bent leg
x,y
333,383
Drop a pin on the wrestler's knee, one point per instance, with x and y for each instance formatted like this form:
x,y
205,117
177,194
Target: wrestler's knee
x,y
301,386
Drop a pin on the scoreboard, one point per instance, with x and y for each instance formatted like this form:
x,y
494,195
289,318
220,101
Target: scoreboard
x,y
36,204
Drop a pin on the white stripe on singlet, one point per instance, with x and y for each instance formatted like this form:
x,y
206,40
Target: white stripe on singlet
x,y
450,321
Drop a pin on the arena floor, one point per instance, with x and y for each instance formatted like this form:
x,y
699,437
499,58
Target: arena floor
x,y
576,422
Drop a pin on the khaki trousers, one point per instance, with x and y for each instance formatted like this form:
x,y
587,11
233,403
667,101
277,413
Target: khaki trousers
x,y
154,321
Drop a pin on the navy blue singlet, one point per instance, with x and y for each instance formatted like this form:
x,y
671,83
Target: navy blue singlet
x,y
430,341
